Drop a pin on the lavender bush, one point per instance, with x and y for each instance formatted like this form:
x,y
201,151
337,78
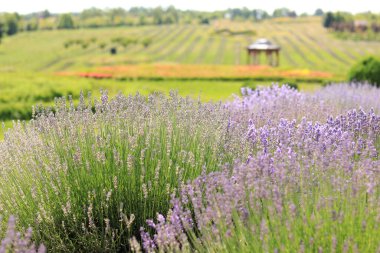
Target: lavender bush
x,y
275,171
87,180
306,186
16,242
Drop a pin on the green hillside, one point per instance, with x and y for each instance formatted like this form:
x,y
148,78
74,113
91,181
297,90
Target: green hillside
x,y
305,45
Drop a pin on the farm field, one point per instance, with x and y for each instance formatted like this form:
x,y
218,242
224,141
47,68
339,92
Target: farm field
x,y
305,44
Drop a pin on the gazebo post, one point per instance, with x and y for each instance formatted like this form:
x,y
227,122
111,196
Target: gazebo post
x,y
269,57
277,58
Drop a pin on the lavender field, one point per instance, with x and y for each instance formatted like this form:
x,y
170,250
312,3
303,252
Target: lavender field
x,y
274,170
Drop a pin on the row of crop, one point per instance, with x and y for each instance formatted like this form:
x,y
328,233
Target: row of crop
x,y
274,170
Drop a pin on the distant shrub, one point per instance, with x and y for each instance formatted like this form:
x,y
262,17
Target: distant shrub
x,y
84,44
146,42
292,85
229,32
66,22
253,86
124,42
102,45
366,70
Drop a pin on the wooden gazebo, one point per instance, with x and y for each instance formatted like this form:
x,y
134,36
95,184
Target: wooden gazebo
x,y
263,45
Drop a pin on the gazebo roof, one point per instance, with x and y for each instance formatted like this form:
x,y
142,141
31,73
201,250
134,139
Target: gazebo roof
x,y
263,44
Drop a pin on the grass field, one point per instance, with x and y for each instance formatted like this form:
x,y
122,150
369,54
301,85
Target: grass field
x,y
305,45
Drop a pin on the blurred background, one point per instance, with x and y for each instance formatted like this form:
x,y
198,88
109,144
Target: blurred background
x,y
208,51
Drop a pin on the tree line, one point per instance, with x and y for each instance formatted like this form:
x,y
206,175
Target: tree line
x,y
11,23
347,22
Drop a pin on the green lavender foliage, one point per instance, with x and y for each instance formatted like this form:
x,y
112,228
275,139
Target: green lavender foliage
x,y
87,178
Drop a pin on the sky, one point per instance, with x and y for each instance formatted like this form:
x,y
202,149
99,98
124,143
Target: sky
x,y
300,6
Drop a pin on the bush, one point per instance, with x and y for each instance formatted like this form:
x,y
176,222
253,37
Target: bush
x,y
108,170
367,70
14,241
66,22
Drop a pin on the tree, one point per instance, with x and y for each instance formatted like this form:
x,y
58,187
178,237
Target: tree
x,y
259,14
66,22
328,20
367,70
45,14
1,30
11,23
158,16
318,12
91,13
282,12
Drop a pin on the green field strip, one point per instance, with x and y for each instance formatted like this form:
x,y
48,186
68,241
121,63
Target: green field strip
x,y
187,47
51,65
273,33
229,54
298,50
204,50
175,45
192,58
164,38
313,50
329,60
153,34
210,54
220,51
334,53
285,57
238,49
188,50
360,48
347,48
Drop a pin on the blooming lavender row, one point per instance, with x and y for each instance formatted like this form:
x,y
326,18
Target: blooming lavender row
x,y
275,170
306,186
15,242
87,178
268,105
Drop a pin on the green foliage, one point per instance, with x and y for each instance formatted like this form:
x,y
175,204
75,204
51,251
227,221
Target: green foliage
x,y
283,12
12,24
146,42
102,45
121,167
123,41
362,26
1,30
328,19
66,22
9,24
254,85
318,12
366,70
229,32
